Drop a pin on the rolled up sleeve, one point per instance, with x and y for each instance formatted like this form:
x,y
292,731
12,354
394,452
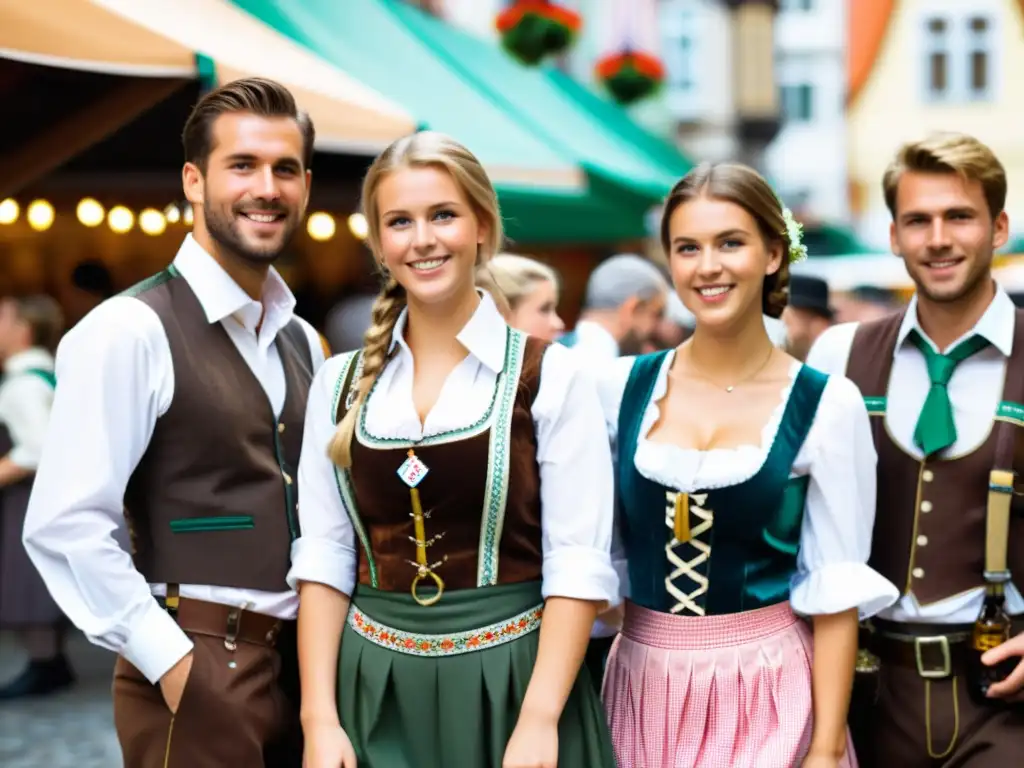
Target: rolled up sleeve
x,y
325,552
576,486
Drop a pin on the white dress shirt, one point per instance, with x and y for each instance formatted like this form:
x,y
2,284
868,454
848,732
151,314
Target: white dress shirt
x,y
975,390
839,513
595,343
572,454
596,348
116,379
25,401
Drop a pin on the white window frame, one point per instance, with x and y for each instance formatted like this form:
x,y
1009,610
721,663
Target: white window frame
x,y
680,24
959,44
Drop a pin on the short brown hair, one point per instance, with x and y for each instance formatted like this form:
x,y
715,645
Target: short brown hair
x,y
44,318
949,153
745,187
256,95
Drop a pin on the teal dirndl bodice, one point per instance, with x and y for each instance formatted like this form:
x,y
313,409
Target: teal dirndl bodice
x,y
743,540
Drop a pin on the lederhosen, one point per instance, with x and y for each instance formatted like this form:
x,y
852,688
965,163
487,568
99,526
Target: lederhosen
x,y
442,635
930,540
212,501
24,599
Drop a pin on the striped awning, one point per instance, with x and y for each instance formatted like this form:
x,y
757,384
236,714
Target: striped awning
x,y
157,38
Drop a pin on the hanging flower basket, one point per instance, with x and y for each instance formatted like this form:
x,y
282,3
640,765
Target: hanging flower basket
x,y
533,29
630,75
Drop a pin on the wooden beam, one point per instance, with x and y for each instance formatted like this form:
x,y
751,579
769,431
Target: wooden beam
x,y
52,148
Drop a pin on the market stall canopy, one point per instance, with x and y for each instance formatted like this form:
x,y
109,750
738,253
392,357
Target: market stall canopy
x,y
210,39
366,39
598,135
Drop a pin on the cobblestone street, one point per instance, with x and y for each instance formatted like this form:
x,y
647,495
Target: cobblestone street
x,y
70,730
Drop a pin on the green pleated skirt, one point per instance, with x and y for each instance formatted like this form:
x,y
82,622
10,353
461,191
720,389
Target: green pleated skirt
x,y
452,701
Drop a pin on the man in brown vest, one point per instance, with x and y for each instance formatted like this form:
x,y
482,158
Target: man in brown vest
x,y
943,381
180,407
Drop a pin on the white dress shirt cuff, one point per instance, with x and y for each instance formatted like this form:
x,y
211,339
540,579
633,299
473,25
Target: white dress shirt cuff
x,y
582,573
155,643
24,457
324,562
838,587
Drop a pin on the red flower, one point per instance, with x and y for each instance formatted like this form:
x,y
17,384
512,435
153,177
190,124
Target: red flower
x,y
511,16
410,643
447,645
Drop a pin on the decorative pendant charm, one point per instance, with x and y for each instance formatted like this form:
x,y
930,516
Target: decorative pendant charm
x,y
412,473
413,470
728,389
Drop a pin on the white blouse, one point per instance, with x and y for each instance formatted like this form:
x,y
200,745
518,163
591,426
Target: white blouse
x,y
838,454
573,455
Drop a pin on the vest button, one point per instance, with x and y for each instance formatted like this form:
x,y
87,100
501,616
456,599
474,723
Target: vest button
x,y
926,506
917,573
287,478
927,475
280,429
922,541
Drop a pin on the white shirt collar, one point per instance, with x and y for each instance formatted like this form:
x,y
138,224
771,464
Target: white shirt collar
x,y
996,325
221,297
485,335
34,357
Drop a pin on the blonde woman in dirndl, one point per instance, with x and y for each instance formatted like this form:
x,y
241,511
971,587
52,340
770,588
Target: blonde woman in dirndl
x,y
747,489
455,541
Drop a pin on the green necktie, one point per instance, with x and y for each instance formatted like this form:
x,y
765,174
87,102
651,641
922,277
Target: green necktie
x,y
935,428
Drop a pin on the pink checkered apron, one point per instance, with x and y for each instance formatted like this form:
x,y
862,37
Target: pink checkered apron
x,y
731,691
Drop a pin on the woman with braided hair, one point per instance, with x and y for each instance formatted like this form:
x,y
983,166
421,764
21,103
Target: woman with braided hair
x,y
747,490
456,507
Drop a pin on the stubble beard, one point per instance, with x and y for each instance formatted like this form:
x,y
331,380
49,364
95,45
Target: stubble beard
x,y
225,232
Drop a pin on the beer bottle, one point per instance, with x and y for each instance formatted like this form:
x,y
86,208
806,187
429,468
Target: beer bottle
x,y
991,628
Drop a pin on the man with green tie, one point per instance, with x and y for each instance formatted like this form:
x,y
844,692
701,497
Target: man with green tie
x,y
944,383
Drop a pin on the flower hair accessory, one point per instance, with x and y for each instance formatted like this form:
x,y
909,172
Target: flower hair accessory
x,y
795,232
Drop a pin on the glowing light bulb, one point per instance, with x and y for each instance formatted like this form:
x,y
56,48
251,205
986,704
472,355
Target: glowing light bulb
x,y
90,212
321,226
9,211
357,226
40,215
152,222
172,213
120,219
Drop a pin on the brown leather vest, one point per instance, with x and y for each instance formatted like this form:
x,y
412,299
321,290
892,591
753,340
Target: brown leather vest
x,y
929,535
212,500
455,494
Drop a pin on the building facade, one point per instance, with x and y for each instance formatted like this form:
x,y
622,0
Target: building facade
x,y
807,160
918,66
719,101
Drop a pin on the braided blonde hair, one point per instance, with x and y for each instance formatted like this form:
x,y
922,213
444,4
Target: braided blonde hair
x,y
426,149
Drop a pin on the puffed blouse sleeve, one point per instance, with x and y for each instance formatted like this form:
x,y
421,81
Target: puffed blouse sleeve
x,y
835,540
576,488
325,552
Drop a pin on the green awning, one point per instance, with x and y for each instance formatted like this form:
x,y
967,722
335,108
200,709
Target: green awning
x,y
598,135
369,43
568,166
833,240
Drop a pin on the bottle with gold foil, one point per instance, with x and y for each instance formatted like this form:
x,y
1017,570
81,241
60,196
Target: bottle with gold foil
x,y
991,628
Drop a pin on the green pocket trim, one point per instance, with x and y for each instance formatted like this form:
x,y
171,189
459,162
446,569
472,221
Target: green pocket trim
x,y
202,524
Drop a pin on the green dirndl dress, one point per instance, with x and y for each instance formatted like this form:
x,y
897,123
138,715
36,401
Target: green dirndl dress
x,y
441,686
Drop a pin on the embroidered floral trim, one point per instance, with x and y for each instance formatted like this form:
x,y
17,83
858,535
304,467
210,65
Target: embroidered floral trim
x,y
416,644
